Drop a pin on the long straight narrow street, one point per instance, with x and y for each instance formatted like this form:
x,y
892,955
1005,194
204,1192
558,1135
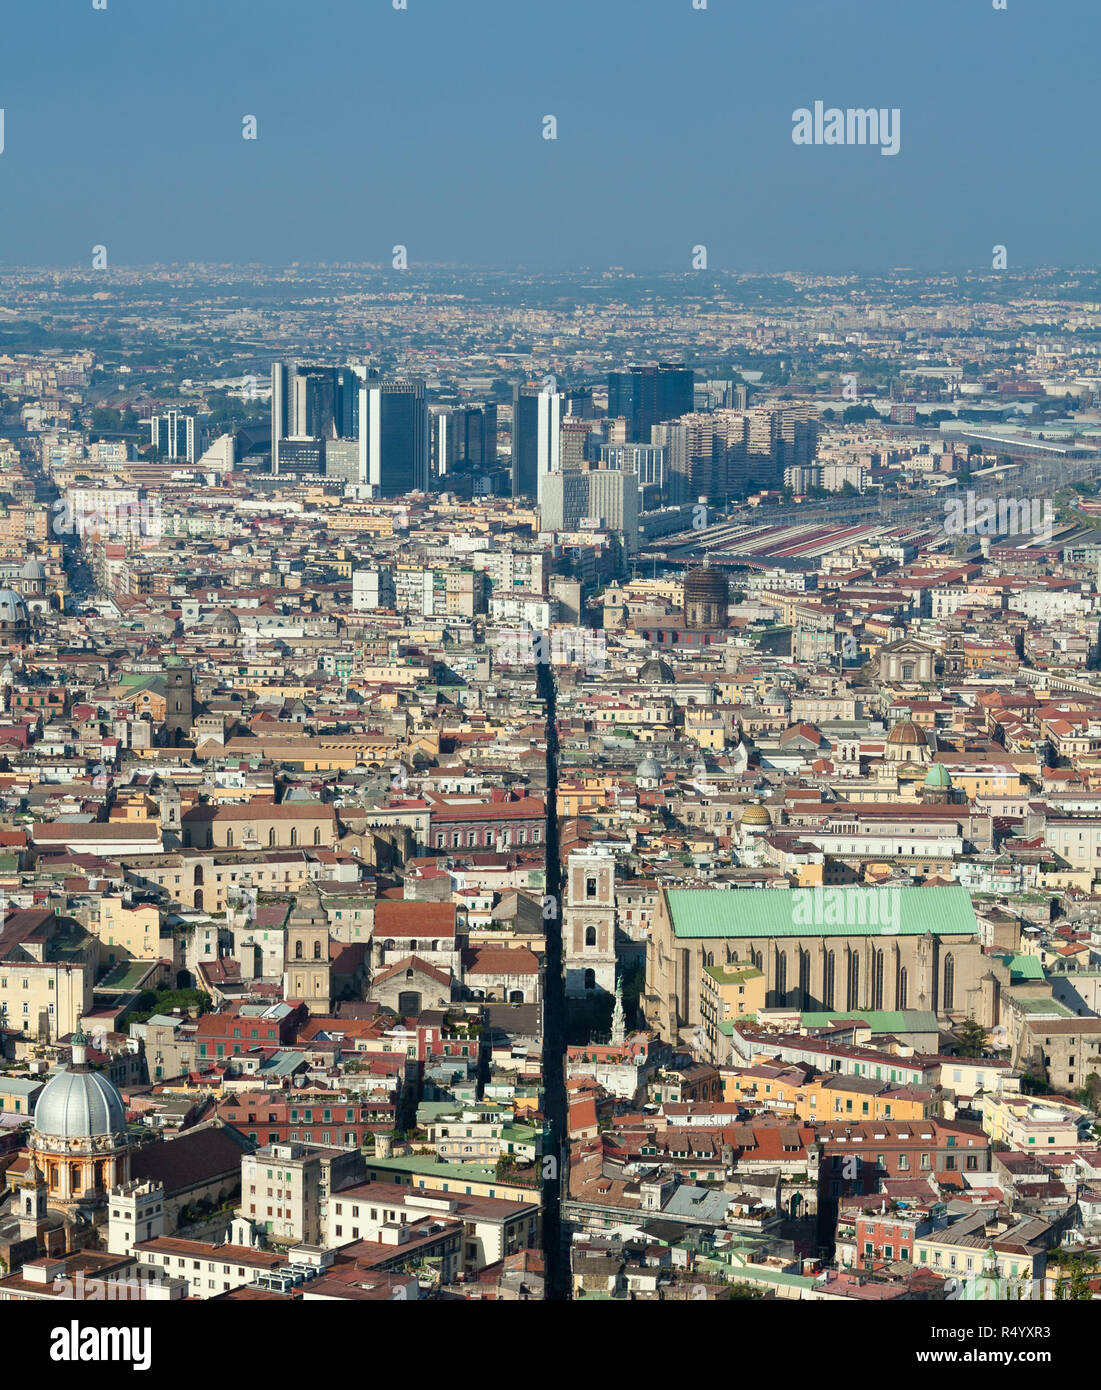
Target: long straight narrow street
x,y
556,1171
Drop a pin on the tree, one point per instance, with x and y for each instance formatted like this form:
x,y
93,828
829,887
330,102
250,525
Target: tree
x,y
153,1001
1090,1094
1076,1285
225,409
104,418
740,1289
970,1039
1032,1085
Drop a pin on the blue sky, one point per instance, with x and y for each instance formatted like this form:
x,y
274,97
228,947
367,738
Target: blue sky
x,y
424,127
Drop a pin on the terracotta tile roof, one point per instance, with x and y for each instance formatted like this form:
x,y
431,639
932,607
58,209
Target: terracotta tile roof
x,y
407,918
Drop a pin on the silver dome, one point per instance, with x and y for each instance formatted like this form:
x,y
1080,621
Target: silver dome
x,y
12,608
78,1105
222,620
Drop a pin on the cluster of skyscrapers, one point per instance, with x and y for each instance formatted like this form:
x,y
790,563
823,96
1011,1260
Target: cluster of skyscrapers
x,y
725,454
650,447
350,422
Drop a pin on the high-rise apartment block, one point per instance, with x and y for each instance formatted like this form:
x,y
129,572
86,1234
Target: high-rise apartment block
x,y
175,435
720,455
603,499
536,437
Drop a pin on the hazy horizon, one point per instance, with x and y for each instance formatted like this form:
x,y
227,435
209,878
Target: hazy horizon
x,y
424,128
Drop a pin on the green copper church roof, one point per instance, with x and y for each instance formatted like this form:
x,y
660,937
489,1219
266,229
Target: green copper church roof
x,y
878,1020
1022,967
848,911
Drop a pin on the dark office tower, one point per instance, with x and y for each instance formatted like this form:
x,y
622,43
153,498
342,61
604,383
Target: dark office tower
x,y
536,447
300,457
325,403
179,698
481,436
464,436
315,403
574,444
393,435
346,404
578,403
675,391
648,395
633,394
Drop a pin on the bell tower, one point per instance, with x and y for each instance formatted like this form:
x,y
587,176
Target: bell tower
x,y
179,695
31,1197
306,969
170,806
589,927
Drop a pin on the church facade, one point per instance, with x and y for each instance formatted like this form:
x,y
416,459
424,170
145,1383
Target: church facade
x,y
307,970
906,662
78,1151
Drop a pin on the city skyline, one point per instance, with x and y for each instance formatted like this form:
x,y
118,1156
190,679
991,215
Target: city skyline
x,y
550,668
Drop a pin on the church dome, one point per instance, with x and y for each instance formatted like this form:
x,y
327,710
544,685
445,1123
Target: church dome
x,y
656,672
13,611
907,734
33,569
756,815
649,770
78,1104
938,777
223,621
